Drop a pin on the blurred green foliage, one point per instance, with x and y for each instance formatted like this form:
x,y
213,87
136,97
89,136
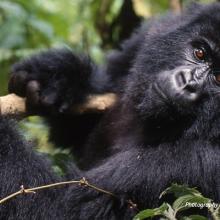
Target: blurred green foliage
x,y
29,26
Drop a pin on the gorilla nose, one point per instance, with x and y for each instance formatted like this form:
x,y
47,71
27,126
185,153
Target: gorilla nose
x,y
190,78
186,80
187,83
183,77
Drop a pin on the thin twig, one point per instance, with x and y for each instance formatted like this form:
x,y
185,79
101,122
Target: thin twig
x,y
33,190
85,182
176,6
82,182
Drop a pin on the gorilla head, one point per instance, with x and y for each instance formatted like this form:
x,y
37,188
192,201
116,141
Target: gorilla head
x,y
177,68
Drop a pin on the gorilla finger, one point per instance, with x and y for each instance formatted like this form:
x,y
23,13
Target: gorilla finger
x,y
17,83
33,92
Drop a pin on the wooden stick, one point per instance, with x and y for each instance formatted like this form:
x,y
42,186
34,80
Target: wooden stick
x,y
96,103
14,105
176,6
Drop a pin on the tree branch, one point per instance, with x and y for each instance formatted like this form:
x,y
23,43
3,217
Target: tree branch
x,y
14,105
176,6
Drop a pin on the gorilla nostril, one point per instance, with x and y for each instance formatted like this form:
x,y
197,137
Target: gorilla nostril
x,y
181,79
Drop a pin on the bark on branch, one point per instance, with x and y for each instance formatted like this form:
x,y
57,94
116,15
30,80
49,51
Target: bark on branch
x,y
176,6
14,105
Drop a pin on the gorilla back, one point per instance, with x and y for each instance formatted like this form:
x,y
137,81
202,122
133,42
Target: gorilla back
x,y
164,129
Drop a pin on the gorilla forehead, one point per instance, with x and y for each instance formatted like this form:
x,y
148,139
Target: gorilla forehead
x,y
194,21
167,39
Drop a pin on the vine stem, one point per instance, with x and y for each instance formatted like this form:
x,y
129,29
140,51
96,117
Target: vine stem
x,y
33,190
82,182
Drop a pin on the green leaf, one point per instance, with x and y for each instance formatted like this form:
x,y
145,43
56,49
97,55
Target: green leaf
x,y
151,212
181,202
180,190
42,26
12,9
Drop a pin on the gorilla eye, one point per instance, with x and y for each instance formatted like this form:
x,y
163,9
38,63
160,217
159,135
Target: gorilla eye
x,y
199,53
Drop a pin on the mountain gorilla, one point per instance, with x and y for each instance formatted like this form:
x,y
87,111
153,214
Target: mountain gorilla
x,y
165,127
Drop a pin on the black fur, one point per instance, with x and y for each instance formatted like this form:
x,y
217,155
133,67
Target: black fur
x,y
165,127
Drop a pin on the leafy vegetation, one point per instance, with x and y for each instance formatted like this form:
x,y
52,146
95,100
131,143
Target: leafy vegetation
x,y
186,199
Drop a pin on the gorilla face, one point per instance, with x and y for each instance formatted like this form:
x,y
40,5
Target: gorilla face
x,y
184,84
181,65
